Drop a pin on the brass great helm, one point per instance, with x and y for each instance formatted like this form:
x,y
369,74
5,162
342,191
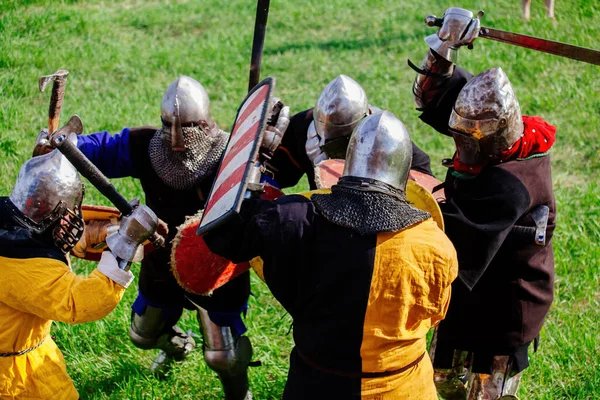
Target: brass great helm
x,y
380,149
189,146
48,195
340,107
486,119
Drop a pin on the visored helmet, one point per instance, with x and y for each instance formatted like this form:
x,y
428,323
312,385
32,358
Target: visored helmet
x,y
380,149
48,195
340,107
185,103
486,119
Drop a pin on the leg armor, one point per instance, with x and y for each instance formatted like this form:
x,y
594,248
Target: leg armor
x,y
153,328
459,383
501,384
451,383
228,354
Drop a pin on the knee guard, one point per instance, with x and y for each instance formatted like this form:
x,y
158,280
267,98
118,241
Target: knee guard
x,y
150,330
228,354
146,328
502,384
451,383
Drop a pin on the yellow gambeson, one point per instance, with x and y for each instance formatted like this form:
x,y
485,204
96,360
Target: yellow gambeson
x,y
33,292
409,294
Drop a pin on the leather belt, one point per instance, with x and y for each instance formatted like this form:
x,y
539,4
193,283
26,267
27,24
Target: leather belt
x,y
20,353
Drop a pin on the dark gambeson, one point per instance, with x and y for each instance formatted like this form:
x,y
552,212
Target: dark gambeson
x,y
505,284
362,304
157,282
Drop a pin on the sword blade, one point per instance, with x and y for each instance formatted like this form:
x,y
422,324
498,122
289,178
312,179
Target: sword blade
x,y
543,45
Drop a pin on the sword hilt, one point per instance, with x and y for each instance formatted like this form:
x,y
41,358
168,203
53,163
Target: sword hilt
x,y
432,20
478,16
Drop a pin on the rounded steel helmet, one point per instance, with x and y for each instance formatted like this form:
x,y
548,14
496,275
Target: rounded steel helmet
x,y
48,195
380,149
188,148
185,103
486,119
340,107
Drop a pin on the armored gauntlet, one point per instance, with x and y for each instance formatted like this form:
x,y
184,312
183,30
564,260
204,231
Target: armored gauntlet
x,y
459,28
135,229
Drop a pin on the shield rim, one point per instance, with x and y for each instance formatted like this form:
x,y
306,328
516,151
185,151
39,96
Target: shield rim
x,y
202,229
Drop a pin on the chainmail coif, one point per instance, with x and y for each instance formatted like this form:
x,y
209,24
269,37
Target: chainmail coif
x,y
186,169
367,207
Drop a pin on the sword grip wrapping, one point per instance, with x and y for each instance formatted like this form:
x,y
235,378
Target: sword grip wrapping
x,y
93,174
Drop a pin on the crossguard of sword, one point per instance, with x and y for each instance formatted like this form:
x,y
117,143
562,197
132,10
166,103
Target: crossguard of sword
x,y
432,20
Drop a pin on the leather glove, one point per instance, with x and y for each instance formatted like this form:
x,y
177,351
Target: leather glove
x,y
94,235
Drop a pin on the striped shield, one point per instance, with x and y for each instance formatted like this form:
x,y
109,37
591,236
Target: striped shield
x,y
239,158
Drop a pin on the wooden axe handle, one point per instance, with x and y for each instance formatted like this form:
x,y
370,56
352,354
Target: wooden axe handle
x,y
59,80
56,102
93,174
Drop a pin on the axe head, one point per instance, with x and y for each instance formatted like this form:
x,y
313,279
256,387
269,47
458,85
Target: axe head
x,y
75,125
59,75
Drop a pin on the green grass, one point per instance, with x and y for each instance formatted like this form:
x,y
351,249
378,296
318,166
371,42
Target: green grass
x,y
123,54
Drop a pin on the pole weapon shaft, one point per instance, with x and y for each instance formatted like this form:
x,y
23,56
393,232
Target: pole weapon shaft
x,y
258,43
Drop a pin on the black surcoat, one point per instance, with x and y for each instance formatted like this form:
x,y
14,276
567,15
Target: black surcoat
x,y
157,282
505,284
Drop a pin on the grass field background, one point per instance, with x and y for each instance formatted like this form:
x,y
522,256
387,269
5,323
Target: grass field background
x,y
123,54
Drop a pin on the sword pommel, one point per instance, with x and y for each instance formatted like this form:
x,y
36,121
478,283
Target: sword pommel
x,y
432,20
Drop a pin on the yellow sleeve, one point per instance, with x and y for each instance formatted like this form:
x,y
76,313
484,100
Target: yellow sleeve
x,y
49,289
451,268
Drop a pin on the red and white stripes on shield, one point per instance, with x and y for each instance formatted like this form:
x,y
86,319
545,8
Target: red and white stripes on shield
x,y
239,155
